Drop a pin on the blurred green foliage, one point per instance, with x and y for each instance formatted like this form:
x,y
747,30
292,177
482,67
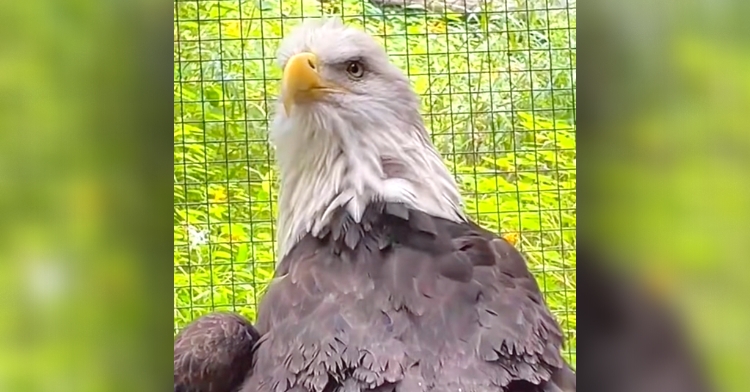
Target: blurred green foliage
x,y
498,93
83,279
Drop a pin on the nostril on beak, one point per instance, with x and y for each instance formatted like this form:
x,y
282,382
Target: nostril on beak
x,y
310,63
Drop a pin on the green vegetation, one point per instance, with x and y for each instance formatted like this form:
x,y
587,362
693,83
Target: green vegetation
x,y
498,95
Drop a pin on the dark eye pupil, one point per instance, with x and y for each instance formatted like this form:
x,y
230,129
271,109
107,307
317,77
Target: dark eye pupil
x,y
354,68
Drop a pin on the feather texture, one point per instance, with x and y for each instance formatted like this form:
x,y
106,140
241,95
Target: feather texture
x,y
444,306
383,284
213,353
347,150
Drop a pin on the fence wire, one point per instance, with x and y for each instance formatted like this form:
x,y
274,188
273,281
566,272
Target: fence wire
x,y
497,81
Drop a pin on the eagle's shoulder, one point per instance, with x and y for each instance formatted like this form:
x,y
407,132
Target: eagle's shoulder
x,y
213,353
510,330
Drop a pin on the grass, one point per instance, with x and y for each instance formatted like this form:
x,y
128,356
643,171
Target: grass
x,y
498,94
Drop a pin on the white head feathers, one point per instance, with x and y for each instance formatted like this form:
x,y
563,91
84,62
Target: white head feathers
x,y
359,139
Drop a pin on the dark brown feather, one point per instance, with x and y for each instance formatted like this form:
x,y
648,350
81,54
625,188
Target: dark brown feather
x,y
213,353
409,303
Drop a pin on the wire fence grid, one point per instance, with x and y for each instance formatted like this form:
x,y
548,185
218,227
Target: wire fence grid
x,y
497,82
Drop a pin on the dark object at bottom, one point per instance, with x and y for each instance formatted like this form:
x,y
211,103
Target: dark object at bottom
x,y
213,353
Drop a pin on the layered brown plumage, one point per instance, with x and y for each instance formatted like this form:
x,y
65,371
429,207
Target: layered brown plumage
x,y
406,302
383,284
213,353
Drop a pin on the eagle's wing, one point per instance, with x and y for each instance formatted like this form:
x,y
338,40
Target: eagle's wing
x,y
516,335
406,302
213,353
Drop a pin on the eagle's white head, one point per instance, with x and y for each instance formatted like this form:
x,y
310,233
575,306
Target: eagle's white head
x,y
348,131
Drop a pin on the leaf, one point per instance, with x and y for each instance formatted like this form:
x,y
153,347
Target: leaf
x,y
242,253
220,254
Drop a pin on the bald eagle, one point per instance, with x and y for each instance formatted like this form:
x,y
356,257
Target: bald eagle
x,y
383,282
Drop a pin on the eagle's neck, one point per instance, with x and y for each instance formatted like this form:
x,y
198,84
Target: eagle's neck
x,y
323,171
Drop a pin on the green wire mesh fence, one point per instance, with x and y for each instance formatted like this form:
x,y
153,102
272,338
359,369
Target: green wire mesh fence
x,y
497,81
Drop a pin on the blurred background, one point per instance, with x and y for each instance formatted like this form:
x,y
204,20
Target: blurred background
x,y
85,281
666,154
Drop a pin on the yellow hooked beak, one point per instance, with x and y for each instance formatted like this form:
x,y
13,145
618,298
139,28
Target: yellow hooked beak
x,y
301,81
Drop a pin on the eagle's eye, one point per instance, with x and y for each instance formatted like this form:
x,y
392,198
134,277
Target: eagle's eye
x,y
355,69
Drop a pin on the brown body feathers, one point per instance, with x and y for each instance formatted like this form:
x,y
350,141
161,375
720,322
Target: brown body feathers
x,y
213,353
406,302
382,285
